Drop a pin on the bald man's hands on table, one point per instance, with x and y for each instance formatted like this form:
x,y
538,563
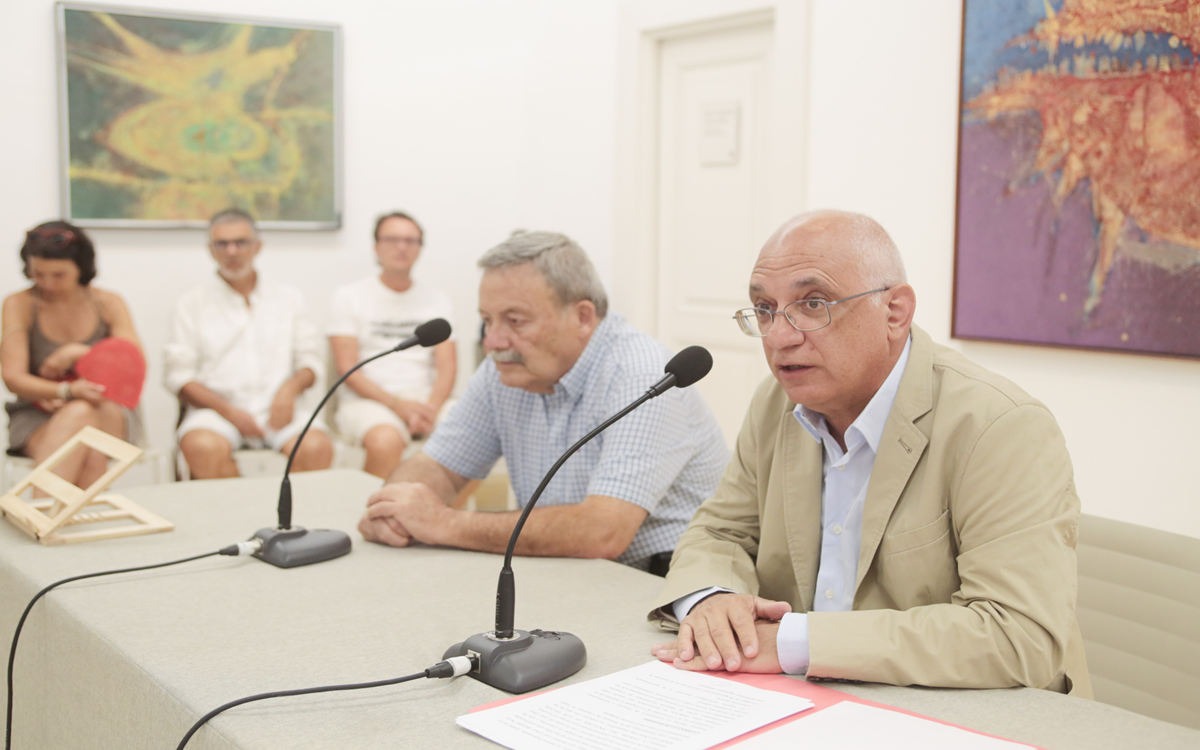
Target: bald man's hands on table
x,y
727,631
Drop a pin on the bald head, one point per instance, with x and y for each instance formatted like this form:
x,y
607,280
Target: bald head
x,y
835,365
858,239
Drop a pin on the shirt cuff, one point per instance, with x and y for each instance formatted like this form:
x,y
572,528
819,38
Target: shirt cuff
x,y
791,643
684,604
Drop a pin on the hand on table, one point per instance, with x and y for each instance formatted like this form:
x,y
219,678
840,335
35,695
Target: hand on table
x,y
384,529
727,631
765,662
402,512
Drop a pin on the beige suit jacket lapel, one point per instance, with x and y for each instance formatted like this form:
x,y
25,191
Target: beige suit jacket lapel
x,y
899,449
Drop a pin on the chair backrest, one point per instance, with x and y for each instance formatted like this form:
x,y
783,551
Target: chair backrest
x,y
1139,611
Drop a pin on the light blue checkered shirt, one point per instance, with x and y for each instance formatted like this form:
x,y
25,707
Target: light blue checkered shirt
x,y
666,456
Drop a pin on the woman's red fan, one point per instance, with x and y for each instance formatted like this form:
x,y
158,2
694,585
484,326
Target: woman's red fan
x,y
118,365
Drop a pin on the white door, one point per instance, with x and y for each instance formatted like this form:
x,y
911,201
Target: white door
x,y
713,216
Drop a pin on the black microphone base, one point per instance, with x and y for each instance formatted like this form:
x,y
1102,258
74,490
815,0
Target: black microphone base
x,y
291,548
528,661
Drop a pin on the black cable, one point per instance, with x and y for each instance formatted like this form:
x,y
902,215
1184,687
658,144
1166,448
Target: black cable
x,y
440,670
12,653
449,668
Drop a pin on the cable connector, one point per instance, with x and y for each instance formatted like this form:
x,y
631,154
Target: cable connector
x,y
455,666
242,548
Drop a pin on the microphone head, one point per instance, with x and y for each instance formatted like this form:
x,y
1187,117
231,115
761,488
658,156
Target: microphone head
x,y
433,332
689,365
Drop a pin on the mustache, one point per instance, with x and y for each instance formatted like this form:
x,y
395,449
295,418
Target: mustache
x,y
507,356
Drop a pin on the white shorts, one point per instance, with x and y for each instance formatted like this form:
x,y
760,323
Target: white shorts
x,y
207,419
356,417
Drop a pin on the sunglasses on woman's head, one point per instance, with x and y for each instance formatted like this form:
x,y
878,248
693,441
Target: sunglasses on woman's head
x,y
53,236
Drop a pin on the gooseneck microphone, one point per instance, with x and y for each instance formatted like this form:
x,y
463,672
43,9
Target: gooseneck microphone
x,y
518,661
288,547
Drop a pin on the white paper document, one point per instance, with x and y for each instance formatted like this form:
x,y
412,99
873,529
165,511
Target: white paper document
x,y
653,706
848,724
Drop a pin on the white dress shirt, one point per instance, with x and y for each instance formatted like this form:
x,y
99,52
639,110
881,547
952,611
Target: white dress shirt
x,y
242,352
845,477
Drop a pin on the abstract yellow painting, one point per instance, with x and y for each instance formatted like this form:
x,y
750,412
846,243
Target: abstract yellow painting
x,y
169,118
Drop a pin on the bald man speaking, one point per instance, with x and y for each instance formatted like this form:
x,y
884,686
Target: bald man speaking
x,y
893,512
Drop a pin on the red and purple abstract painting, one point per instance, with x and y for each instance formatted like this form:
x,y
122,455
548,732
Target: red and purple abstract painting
x,y
1079,175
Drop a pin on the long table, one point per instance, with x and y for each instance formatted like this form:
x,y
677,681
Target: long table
x,y
132,661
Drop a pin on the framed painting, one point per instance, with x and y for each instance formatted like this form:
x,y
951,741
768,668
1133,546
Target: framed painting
x,y
168,118
1078,219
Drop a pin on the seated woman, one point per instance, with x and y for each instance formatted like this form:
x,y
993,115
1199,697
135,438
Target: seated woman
x,y
47,329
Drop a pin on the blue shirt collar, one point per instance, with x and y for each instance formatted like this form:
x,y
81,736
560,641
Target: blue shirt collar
x,y
869,425
575,380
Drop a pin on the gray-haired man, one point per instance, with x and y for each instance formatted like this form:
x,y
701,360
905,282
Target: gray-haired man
x,y
560,364
241,352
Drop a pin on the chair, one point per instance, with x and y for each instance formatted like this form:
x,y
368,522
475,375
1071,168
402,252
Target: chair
x,y
493,493
14,460
1139,611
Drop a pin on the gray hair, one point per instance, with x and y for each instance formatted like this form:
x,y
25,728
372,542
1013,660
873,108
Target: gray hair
x,y
876,256
563,264
232,216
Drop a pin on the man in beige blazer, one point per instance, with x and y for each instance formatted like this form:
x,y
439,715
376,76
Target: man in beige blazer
x,y
965,505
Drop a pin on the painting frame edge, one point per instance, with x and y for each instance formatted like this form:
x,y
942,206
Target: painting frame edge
x,y
958,156
955,334
64,138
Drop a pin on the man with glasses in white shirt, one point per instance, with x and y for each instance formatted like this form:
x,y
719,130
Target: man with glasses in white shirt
x,y
893,513
241,353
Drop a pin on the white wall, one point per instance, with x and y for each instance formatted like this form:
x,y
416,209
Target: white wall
x,y
880,133
883,141
480,117
477,117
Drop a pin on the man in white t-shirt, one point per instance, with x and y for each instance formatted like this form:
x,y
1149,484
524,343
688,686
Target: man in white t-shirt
x,y
397,397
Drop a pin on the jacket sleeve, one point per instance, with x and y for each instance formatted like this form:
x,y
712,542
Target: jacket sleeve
x,y
720,544
1014,514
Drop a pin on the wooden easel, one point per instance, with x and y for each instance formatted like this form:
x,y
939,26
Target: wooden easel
x,y
45,519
